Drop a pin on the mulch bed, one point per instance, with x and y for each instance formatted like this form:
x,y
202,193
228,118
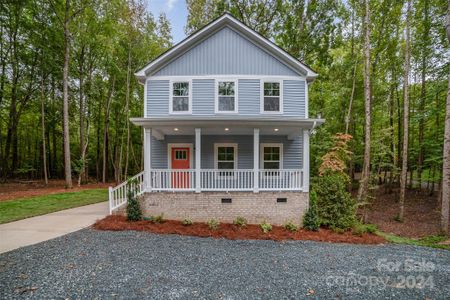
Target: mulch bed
x,y
233,232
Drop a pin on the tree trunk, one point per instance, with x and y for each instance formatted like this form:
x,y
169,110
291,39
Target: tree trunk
x,y
67,161
82,113
106,129
446,156
44,151
127,112
405,118
364,183
350,104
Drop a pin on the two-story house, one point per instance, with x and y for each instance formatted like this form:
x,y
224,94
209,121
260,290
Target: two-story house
x,y
226,129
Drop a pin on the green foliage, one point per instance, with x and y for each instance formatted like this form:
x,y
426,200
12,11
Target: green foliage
x,y
240,221
134,212
265,227
158,219
311,219
360,229
213,224
187,222
290,226
336,207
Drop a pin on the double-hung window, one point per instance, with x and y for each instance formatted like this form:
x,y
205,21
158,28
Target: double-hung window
x,y
225,158
271,158
271,97
226,98
181,97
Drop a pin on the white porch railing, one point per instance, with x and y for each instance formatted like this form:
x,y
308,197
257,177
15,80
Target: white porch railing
x,y
210,180
118,194
225,180
172,180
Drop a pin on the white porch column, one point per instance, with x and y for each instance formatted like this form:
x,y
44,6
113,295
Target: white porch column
x,y
147,158
306,160
256,160
198,154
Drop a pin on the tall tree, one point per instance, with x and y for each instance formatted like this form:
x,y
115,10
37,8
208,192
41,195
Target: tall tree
x,y
364,182
405,115
446,155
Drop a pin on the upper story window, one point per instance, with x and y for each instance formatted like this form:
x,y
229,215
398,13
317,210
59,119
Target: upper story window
x,y
271,101
181,97
226,96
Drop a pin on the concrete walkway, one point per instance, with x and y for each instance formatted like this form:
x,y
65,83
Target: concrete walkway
x,y
38,229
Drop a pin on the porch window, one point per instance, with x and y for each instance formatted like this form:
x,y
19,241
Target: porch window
x,y
271,97
226,96
180,97
271,156
225,155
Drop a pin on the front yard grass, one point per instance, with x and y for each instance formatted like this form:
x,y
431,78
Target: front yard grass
x,y
428,241
14,210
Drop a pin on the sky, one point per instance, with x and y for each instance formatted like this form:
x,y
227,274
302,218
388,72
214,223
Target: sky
x,y
176,12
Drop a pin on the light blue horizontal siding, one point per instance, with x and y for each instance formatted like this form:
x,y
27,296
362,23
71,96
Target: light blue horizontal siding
x,y
292,150
157,97
203,96
226,52
294,98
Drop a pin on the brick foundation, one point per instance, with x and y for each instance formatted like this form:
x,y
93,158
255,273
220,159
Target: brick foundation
x,y
255,207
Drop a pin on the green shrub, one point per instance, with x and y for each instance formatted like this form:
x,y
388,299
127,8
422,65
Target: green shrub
x,y
187,222
360,229
336,207
134,212
290,226
265,227
337,229
213,224
311,218
158,219
240,221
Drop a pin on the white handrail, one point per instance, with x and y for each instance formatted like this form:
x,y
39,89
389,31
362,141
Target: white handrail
x,y
118,194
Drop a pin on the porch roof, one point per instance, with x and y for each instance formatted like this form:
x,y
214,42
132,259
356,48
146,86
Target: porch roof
x,y
229,124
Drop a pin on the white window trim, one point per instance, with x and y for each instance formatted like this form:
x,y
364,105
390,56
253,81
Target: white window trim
x,y
180,145
216,153
261,94
216,97
261,154
172,81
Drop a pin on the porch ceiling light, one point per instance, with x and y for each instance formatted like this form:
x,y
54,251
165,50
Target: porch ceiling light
x,y
226,129
175,129
275,129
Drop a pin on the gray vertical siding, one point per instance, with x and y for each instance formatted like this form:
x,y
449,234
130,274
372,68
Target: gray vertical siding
x,y
225,52
203,97
249,96
292,150
158,97
294,98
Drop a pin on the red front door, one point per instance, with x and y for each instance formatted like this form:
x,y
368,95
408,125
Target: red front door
x,y
180,160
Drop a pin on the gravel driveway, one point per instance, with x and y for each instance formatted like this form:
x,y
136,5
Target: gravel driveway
x,y
92,264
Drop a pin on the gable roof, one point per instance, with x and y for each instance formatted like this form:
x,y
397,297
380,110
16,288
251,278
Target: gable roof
x,y
213,27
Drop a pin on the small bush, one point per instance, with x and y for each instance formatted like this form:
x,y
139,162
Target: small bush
x,y
360,229
134,212
337,229
336,207
311,218
187,222
158,219
147,218
213,224
290,226
240,221
265,227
